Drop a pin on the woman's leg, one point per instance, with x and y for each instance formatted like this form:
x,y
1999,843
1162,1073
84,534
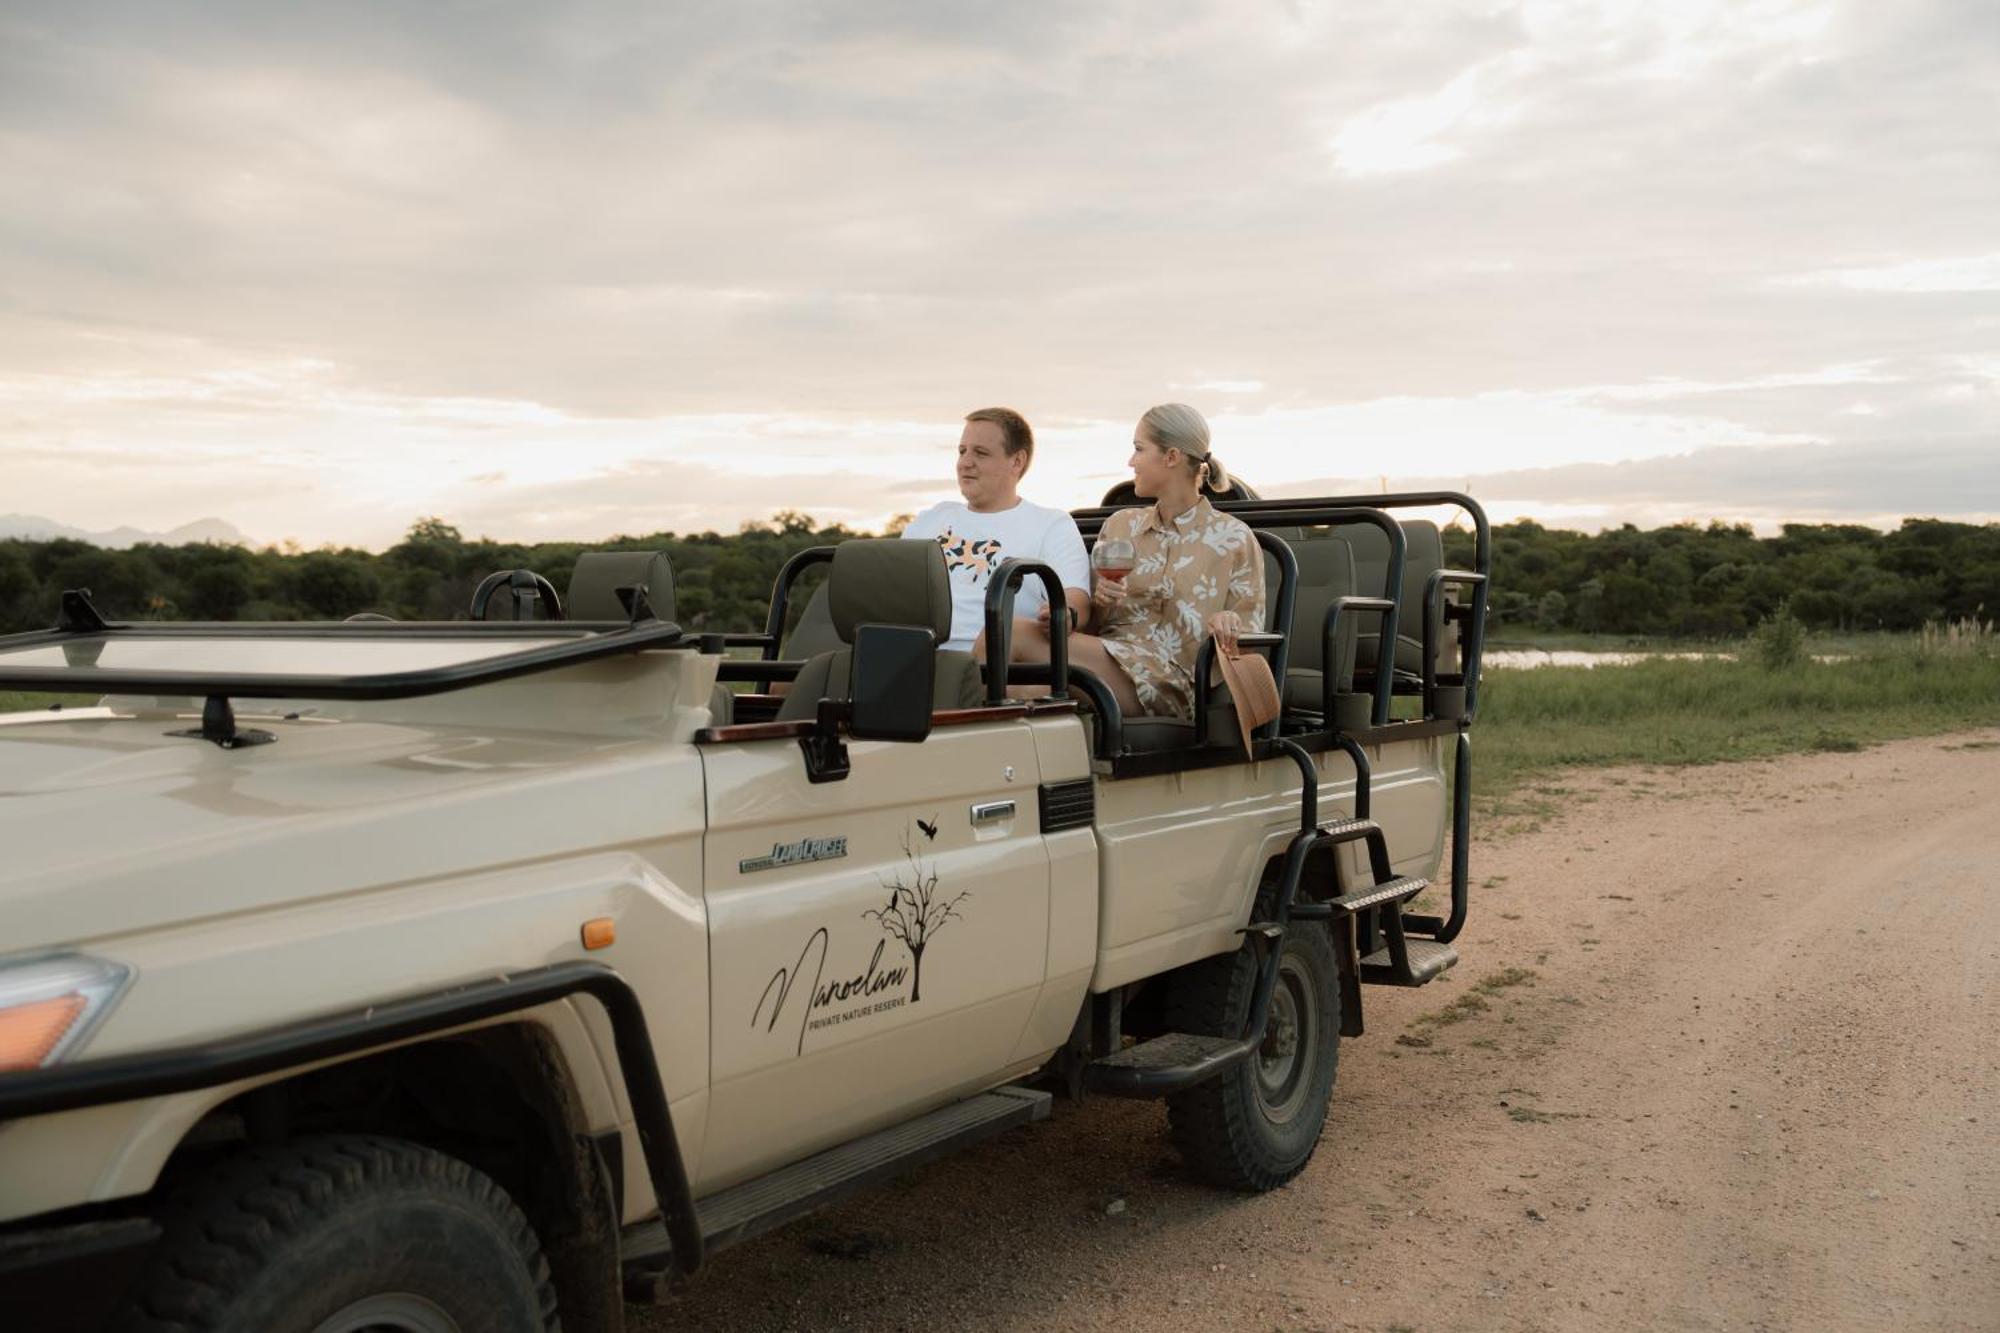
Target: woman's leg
x,y
1031,644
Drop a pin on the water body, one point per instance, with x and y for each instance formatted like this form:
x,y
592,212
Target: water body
x,y
1522,659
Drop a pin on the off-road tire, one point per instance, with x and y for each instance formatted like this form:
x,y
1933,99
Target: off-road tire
x,y
1237,1131
282,1239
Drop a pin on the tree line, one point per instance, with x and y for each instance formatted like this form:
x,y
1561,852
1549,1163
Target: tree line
x,y
1716,580
1722,579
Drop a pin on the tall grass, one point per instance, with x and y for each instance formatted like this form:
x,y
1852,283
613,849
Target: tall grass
x,y
1697,712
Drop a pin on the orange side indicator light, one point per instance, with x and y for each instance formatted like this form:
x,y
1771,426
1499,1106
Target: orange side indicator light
x,y
600,932
28,1032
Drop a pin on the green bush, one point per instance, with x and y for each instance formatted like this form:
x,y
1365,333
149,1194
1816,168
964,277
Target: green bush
x,y
1779,641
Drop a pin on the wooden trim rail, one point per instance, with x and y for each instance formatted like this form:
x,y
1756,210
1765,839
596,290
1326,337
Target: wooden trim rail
x,y
943,717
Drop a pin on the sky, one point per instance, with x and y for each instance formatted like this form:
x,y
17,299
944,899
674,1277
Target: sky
x,y
571,270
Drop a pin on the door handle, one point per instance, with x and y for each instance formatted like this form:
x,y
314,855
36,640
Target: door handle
x,y
992,812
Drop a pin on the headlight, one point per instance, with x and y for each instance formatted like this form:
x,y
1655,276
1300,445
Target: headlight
x,y
49,1005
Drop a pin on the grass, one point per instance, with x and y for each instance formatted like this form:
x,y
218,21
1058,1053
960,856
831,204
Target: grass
x,y
15,701
1700,712
1474,1001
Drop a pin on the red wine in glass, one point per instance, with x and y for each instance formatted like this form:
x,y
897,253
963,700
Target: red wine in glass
x,y
1113,558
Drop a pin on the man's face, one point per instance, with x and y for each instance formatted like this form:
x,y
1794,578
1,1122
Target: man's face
x,y
988,476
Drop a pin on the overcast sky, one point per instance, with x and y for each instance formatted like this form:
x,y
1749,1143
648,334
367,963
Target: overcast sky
x,y
570,270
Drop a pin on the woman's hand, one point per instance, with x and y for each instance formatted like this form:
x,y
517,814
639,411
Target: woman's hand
x,y
1225,626
1105,594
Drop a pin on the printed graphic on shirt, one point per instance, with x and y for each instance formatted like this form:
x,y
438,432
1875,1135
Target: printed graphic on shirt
x,y
977,557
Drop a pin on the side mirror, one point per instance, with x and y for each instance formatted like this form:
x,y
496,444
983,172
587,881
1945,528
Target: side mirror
x,y
895,676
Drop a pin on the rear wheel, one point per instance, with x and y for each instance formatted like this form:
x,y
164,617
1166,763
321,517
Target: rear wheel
x,y
1256,1127
347,1234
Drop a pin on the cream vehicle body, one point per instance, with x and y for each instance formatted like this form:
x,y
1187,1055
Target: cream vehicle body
x,y
535,939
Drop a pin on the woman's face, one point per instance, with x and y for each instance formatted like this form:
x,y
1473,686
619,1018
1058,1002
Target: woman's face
x,y
1151,465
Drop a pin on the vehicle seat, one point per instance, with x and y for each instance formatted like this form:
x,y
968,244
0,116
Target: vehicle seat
x,y
1423,556
594,584
814,634
884,581
593,595
1326,572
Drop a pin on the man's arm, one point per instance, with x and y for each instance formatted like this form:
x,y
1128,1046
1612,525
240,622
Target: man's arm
x,y
1062,548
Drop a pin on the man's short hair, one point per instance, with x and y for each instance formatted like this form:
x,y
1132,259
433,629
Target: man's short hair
x,y
1014,430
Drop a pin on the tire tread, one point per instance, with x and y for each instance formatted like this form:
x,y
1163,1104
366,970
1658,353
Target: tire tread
x,y
223,1230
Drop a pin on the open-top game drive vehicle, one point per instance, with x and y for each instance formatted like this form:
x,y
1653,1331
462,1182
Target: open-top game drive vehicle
x,y
474,975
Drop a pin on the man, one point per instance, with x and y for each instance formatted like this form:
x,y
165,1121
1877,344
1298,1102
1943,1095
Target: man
x,y
993,523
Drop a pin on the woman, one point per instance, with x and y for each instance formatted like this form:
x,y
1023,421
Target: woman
x,y
1198,572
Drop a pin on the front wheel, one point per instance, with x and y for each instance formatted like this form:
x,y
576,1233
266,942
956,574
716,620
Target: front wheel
x,y
1255,1127
347,1234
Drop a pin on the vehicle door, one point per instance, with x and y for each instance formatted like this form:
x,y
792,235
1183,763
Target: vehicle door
x,y
876,943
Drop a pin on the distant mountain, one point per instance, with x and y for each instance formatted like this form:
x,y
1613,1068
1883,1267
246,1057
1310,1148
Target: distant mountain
x,y
35,528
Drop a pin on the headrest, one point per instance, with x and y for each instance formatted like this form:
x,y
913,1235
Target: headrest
x,y
593,587
889,581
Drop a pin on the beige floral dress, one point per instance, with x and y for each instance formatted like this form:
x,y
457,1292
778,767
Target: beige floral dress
x,y
1187,569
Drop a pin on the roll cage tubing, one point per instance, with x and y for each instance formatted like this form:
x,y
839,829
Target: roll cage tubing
x,y
1331,511
1340,510
220,1060
570,642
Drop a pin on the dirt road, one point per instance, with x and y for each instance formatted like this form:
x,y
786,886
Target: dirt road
x,y
1753,1082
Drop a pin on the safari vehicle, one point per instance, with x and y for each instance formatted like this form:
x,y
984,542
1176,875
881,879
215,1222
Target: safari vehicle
x,y
475,975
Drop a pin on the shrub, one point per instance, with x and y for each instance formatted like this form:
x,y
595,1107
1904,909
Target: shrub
x,y
1779,641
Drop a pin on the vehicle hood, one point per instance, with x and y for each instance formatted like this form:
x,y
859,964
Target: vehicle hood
x,y
109,826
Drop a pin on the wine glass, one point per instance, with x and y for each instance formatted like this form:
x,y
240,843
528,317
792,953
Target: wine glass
x,y
1113,558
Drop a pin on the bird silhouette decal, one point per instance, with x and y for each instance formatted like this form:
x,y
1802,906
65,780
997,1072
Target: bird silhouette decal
x,y
929,826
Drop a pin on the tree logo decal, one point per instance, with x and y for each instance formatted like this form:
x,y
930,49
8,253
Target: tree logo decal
x,y
916,910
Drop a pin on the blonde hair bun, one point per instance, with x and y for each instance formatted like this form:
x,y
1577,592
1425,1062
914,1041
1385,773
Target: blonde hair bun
x,y
1218,475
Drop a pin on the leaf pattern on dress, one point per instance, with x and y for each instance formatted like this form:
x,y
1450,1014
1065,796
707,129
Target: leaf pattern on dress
x,y
1186,570
1223,537
1192,619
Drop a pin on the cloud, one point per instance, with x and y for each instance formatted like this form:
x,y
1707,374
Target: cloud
x,y
328,260
1871,482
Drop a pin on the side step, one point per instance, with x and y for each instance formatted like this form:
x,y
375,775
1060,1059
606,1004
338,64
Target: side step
x,y
1427,960
1361,899
756,1206
1165,1064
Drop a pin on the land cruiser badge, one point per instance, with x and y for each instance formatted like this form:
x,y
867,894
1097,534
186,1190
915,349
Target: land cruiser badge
x,y
796,853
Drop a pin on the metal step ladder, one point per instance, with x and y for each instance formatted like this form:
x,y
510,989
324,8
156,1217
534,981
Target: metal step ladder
x,y
1402,959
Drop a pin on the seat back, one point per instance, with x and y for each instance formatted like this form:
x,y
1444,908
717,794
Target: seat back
x,y
883,581
814,633
594,584
1326,571
1423,555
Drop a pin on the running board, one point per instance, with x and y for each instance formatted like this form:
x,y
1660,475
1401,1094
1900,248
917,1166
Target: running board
x,y
756,1206
1165,1065
1427,959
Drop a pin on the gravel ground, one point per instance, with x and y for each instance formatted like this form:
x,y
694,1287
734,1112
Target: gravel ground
x,y
1749,1084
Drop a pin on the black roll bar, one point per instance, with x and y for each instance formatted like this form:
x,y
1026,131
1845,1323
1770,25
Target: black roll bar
x,y
1000,593
1204,679
1110,720
781,594
121,1078
1288,595
1329,637
570,642
1469,655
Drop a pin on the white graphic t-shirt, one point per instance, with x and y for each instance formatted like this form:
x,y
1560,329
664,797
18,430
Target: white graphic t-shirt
x,y
975,544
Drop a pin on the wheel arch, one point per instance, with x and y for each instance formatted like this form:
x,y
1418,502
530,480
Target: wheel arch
x,y
503,1097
